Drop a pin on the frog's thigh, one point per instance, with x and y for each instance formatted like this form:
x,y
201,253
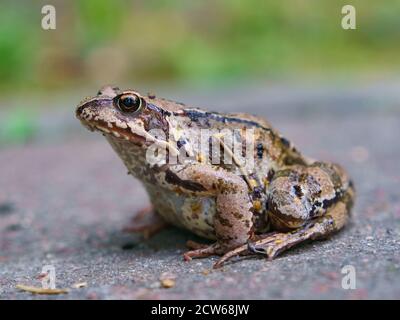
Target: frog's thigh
x,y
333,219
299,218
299,194
233,219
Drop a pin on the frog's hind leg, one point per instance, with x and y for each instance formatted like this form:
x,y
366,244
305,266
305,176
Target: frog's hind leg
x,y
295,230
320,228
147,222
275,244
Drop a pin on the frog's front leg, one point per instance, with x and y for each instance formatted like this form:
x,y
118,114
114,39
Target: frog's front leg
x,y
233,219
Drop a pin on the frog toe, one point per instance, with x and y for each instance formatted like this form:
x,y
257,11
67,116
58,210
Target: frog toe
x,y
202,251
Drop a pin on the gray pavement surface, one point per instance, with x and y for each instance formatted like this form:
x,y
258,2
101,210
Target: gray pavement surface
x,y
65,198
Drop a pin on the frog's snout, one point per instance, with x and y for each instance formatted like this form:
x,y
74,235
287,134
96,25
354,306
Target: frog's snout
x,y
84,106
79,110
89,108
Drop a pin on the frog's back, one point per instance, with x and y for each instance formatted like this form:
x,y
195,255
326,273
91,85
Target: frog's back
x,y
271,150
233,119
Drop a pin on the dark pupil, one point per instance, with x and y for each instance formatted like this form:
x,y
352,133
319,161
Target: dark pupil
x,y
129,102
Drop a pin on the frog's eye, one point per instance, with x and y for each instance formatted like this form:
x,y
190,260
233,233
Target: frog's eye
x,y
129,102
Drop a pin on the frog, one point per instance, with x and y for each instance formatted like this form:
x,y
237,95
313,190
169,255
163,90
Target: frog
x,y
260,198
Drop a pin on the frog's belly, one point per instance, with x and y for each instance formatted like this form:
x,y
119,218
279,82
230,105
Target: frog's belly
x,y
192,213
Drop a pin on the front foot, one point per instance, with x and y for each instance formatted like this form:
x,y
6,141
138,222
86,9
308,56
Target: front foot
x,y
147,222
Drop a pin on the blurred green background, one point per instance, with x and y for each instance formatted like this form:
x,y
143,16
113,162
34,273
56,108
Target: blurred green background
x,y
197,43
205,41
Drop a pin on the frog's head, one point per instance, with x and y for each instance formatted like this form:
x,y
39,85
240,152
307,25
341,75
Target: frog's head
x,y
124,115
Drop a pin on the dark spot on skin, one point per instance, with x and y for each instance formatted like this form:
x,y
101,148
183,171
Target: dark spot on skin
x,y
151,96
297,191
257,192
327,203
244,149
180,143
172,178
317,205
270,174
260,150
194,115
285,142
223,221
6,208
237,215
201,118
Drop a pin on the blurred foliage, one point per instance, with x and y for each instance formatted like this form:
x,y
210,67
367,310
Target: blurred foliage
x,y
17,127
104,41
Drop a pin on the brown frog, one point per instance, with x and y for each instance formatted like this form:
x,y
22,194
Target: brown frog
x,y
231,178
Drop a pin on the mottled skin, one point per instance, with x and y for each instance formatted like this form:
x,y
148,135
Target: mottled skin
x,y
264,206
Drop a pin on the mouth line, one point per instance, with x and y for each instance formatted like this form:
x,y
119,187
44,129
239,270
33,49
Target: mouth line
x,y
111,129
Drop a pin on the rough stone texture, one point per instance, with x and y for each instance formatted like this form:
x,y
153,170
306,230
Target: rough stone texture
x,y
65,198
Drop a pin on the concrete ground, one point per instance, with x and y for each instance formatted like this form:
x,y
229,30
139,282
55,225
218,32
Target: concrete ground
x,y
65,198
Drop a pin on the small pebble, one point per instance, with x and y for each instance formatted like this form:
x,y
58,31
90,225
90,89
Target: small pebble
x,y
168,283
206,272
